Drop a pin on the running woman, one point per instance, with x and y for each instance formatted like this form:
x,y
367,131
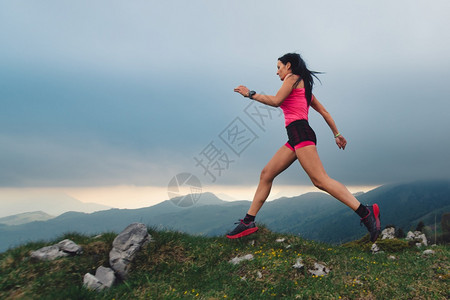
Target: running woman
x,y
295,97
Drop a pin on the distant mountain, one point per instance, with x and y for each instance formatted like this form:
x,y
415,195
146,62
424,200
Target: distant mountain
x,y
357,194
50,203
315,216
24,218
325,219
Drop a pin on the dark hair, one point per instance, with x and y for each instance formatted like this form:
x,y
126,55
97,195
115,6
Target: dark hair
x,y
298,67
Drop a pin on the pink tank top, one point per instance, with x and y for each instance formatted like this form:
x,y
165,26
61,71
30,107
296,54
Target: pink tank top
x,y
295,106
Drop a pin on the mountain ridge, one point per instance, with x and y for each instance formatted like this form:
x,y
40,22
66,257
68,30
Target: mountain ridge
x,y
53,203
26,217
316,215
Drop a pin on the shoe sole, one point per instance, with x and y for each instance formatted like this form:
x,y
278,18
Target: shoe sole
x,y
243,233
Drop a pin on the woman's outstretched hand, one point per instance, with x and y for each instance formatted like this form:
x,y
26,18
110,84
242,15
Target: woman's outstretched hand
x,y
341,142
242,90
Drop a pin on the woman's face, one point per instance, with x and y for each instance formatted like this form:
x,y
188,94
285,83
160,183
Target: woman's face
x,y
283,70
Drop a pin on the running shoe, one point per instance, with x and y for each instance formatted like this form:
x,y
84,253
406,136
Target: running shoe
x,y
242,230
372,222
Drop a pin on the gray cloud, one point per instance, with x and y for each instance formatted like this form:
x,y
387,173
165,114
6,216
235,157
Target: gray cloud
x,y
130,93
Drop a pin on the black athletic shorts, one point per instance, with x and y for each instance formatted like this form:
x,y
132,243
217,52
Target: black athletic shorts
x,y
300,134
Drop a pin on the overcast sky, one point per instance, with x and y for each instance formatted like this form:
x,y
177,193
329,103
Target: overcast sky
x,y
132,93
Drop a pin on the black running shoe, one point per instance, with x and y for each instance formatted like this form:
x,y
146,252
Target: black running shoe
x,y
242,230
372,222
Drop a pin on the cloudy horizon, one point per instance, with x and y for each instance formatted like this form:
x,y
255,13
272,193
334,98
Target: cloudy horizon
x,y
111,94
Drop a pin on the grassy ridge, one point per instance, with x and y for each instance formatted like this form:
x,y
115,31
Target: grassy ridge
x,y
177,265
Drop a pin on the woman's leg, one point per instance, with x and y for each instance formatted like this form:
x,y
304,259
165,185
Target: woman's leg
x,y
282,159
310,161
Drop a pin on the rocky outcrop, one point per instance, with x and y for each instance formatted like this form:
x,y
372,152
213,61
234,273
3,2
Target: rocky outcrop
x,y
418,237
62,249
125,247
388,233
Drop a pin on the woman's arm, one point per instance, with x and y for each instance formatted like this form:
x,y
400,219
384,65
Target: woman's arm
x,y
340,140
276,100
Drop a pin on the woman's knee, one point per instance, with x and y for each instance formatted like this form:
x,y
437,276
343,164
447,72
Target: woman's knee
x,y
320,182
267,175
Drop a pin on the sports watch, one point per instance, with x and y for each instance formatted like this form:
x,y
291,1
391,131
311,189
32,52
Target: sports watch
x,y
251,94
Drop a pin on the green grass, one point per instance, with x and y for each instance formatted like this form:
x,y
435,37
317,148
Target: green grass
x,y
176,265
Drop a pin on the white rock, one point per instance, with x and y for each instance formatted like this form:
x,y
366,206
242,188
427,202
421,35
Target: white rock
x,y
238,260
392,257
388,233
259,274
319,270
125,247
375,248
298,264
105,276
423,239
92,283
280,240
69,246
429,251
418,237
48,253
410,236
62,249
